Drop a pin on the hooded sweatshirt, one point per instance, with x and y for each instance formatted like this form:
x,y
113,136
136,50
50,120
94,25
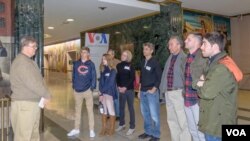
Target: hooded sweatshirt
x,y
83,76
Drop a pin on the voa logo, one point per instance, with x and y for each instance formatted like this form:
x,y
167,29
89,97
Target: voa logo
x,y
97,38
236,132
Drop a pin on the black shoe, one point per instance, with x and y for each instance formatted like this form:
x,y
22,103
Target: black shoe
x,y
117,118
154,139
144,136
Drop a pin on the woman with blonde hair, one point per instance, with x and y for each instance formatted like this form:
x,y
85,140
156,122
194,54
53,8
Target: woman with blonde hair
x,y
108,93
125,81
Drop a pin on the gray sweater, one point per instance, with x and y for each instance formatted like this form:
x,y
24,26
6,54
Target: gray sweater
x,y
179,66
27,83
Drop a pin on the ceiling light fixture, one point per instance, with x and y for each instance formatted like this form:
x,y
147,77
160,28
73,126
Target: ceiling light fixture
x,y
51,27
70,20
117,32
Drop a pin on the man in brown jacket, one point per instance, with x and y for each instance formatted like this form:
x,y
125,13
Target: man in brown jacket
x,y
28,88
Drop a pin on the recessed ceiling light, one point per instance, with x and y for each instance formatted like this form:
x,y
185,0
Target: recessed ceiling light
x,y
117,32
51,27
70,20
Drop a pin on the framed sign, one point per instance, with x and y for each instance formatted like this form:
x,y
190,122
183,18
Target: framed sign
x,y
96,39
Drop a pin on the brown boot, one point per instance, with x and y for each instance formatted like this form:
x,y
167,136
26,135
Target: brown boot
x,y
112,125
107,126
104,125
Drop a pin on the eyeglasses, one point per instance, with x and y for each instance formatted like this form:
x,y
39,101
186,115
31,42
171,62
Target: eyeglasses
x,y
34,47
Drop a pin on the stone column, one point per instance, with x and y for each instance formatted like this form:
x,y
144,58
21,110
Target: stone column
x,y
29,20
173,11
171,22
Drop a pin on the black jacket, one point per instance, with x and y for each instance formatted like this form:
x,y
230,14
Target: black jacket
x,y
150,74
125,75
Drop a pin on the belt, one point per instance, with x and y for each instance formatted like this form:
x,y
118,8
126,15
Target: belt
x,y
173,89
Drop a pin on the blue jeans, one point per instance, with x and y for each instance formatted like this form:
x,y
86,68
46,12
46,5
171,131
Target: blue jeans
x,y
150,109
211,138
116,105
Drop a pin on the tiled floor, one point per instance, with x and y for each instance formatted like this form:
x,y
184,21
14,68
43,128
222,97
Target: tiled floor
x,y
60,113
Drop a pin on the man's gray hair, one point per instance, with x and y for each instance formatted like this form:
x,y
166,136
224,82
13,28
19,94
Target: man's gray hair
x,y
26,40
179,40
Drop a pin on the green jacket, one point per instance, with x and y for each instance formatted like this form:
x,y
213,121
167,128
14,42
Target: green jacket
x,y
218,103
197,67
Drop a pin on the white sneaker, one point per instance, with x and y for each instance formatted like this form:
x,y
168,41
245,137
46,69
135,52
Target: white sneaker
x,y
120,128
130,132
92,134
73,132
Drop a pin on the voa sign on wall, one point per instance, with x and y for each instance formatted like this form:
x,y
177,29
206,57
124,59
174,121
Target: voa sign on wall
x,y
98,44
96,39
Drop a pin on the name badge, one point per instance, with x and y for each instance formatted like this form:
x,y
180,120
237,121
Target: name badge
x,y
107,74
127,68
148,68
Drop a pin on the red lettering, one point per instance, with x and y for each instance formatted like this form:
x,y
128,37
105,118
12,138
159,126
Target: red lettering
x,y
91,37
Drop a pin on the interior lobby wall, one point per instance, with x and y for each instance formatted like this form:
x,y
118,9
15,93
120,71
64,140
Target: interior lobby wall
x,y
59,57
156,29
241,46
203,22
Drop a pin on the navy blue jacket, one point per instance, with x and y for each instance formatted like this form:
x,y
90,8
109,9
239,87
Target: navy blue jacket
x,y
107,84
83,76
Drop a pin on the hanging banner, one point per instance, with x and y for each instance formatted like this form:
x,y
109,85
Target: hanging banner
x,y
96,39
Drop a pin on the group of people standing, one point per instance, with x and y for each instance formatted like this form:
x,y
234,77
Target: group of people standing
x,y
200,90
200,87
116,87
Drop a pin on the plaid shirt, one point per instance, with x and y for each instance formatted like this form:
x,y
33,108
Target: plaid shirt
x,y
191,96
170,75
